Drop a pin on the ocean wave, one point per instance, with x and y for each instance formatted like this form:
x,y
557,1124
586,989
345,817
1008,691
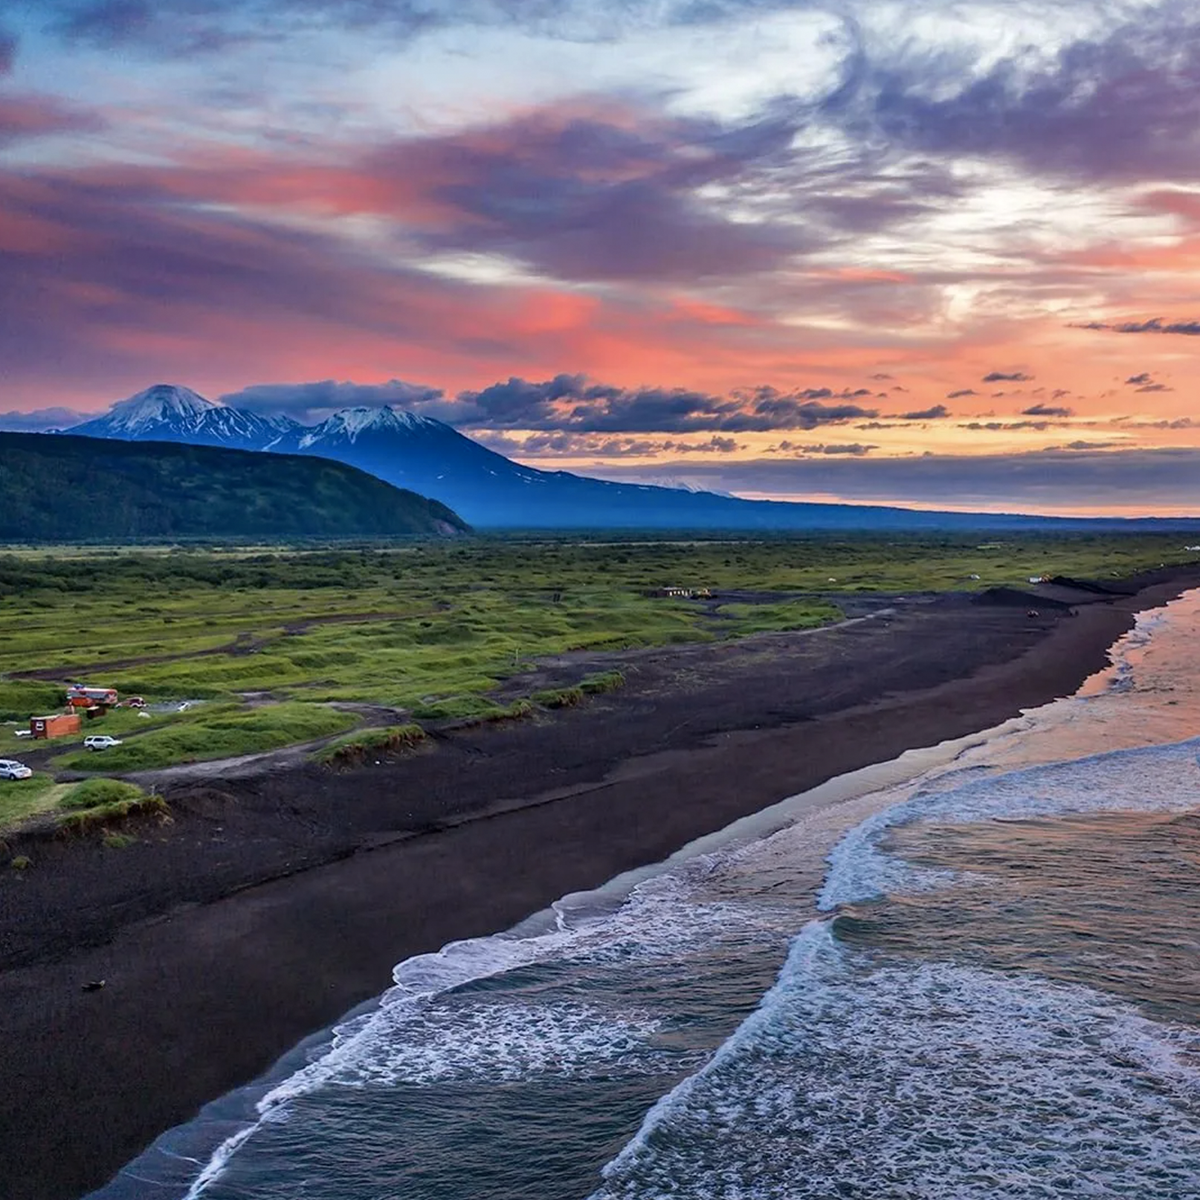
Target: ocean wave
x,y
866,1079
1146,779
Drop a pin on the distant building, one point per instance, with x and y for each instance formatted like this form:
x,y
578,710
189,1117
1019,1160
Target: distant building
x,y
682,593
56,725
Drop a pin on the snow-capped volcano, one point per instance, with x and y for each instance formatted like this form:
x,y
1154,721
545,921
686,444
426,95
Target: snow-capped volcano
x,y
162,404
167,412
350,424
433,459
411,451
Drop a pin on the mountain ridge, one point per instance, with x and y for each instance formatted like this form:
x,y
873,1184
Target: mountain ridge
x,y
431,458
67,487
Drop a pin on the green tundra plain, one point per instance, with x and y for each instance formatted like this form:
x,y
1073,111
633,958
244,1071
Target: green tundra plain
x,y
289,645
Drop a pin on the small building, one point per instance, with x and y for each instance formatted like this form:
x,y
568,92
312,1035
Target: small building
x,y
682,593
56,725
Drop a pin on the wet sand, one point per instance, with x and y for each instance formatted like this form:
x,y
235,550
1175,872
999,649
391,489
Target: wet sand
x,y
282,894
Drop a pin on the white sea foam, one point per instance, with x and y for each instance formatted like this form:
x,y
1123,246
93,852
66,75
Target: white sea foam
x,y
435,1004
934,1081
503,1041
442,1022
847,1066
1147,779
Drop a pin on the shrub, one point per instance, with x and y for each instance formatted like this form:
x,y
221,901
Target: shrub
x,y
606,681
559,697
117,841
21,863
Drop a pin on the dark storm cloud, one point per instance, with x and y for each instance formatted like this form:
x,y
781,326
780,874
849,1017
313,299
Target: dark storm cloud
x,y
1165,423
184,27
1154,325
8,52
41,420
1047,410
177,25
1123,105
1054,480
936,413
1006,377
26,117
191,26
1145,382
572,402
570,405
107,21
576,445
854,449
1005,426
590,197
141,266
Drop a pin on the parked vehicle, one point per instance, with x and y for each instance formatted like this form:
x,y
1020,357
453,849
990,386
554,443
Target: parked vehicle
x,y
11,769
101,741
133,702
22,733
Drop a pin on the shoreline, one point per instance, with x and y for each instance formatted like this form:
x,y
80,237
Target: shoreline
x,y
276,903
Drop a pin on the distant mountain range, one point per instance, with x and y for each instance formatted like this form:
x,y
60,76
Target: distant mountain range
x,y
55,489
489,490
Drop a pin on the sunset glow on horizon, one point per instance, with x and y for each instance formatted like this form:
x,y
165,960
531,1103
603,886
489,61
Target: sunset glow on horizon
x,y
937,254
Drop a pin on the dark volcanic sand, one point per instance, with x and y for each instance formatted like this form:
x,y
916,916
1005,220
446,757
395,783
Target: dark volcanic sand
x,y
282,896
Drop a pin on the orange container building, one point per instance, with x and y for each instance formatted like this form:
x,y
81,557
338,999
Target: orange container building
x,y
58,725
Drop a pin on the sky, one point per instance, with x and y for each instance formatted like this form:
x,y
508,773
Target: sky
x,y
937,253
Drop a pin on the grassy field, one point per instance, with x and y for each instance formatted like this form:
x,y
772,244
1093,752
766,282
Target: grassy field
x,y
270,640
21,799
217,731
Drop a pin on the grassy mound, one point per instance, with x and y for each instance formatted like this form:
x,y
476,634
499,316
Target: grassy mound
x,y
92,793
352,750
101,803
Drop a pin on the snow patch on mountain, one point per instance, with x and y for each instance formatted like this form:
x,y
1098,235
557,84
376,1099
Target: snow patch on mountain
x,y
168,412
164,402
351,423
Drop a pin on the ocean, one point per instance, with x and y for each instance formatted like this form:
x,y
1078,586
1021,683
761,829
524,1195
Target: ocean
x,y
973,972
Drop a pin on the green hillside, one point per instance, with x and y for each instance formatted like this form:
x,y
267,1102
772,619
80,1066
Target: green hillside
x,y
57,488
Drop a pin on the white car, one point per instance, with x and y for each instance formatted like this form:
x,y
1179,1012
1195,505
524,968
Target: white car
x,y
101,741
11,769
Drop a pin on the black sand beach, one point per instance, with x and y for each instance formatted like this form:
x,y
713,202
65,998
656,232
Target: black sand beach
x,y
283,893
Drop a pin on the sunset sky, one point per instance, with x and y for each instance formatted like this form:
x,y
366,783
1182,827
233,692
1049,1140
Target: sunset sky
x,y
936,253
